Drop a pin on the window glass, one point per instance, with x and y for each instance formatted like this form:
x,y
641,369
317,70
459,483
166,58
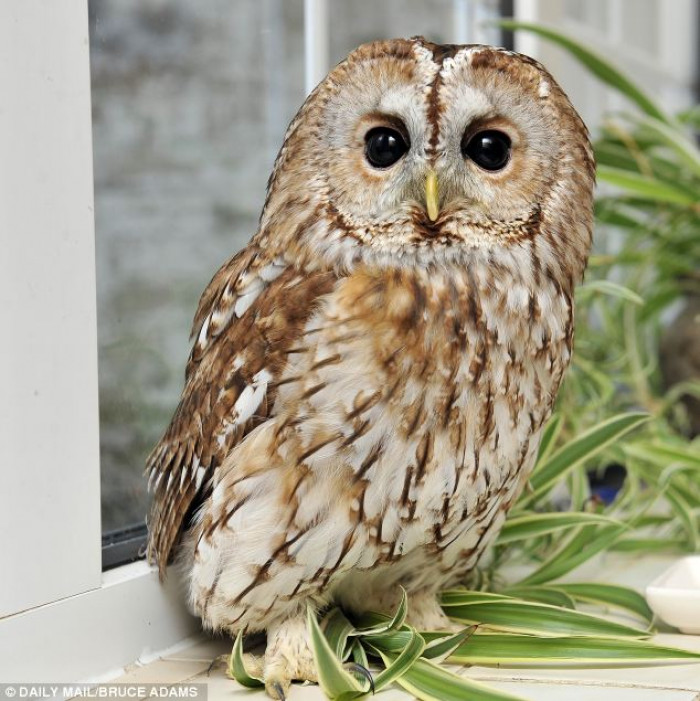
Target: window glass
x,y
441,21
593,13
190,104
641,26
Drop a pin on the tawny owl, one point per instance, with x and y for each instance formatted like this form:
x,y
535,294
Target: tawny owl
x,y
370,376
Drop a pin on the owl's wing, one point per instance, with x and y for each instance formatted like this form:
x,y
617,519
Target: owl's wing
x,y
248,319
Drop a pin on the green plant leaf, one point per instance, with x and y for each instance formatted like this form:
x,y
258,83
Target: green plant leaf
x,y
236,667
442,647
374,624
612,289
337,629
601,382
601,68
359,656
581,448
664,454
589,541
402,662
663,294
504,650
610,595
675,393
674,139
457,597
549,437
429,682
543,595
691,116
332,678
649,188
616,155
533,525
579,489
513,615
686,515
648,545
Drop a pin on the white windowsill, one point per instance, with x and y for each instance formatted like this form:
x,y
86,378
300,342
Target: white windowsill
x,y
96,634
190,663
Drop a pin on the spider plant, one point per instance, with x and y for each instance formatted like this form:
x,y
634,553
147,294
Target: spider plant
x,y
611,410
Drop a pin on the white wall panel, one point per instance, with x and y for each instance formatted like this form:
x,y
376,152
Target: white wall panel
x,y
49,443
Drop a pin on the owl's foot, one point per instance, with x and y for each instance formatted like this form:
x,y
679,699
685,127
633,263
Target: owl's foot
x,y
288,657
425,613
219,661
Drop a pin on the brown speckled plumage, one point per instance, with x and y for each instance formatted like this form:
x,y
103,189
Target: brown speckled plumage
x,y
367,387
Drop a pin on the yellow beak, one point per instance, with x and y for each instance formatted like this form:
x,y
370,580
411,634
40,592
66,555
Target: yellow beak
x,y
432,195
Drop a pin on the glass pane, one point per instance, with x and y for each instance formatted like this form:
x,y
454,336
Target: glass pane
x,y
593,13
190,104
640,28
441,21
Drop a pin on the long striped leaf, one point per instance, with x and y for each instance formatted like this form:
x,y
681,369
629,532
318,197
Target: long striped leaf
x,y
522,527
429,682
457,597
442,647
373,623
644,546
610,288
337,629
549,437
403,662
582,448
236,666
543,595
610,595
590,541
518,616
502,650
644,186
332,678
685,514
674,139
665,454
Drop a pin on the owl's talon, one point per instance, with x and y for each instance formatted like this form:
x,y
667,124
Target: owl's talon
x,y
362,670
218,660
279,691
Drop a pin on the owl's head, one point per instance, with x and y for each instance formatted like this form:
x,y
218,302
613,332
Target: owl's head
x,y
416,153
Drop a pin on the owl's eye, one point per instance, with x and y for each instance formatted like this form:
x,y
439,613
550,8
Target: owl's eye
x,y
384,146
489,149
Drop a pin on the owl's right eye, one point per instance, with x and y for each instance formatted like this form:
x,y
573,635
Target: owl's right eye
x,y
384,147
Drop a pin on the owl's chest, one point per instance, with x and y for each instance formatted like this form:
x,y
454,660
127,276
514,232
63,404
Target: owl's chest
x,y
446,356
424,397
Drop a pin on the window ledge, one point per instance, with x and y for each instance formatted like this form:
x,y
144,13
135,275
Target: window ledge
x,y
95,635
658,683
681,682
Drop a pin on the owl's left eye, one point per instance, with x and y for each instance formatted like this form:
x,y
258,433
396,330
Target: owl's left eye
x,y
489,149
384,146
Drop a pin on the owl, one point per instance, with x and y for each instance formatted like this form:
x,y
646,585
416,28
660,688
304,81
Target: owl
x,y
370,375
